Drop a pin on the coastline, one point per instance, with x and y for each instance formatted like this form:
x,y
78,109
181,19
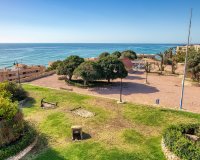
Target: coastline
x,y
42,53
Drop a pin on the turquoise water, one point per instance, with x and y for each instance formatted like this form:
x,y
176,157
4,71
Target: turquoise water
x,y
33,54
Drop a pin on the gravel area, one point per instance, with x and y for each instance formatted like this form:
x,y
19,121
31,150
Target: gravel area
x,y
165,88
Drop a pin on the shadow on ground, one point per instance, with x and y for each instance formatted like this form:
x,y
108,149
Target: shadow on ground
x,y
128,88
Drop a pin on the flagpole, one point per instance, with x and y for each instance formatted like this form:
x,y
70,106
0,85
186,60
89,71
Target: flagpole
x,y
185,67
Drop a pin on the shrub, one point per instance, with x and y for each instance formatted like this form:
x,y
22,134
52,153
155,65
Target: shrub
x,y
8,109
11,130
16,91
12,149
178,143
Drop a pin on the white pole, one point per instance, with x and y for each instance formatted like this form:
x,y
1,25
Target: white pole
x,y
185,67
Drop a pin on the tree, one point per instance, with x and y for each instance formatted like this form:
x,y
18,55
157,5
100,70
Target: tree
x,y
170,59
161,55
112,68
104,54
129,54
68,66
54,65
194,65
116,54
88,71
147,70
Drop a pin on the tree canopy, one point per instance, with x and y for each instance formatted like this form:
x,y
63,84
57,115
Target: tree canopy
x,y
112,68
68,66
116,54
54,65
129,54
104,54
88,71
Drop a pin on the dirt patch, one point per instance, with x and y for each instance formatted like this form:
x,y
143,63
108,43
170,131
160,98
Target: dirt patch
x,y
82,112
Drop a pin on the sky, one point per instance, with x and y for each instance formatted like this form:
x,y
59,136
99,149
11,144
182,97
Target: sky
x,y
98,21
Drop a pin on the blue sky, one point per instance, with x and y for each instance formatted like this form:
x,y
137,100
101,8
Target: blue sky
x,y
104,21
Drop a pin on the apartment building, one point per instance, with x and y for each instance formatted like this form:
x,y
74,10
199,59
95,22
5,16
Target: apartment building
x,y
20,72
196,47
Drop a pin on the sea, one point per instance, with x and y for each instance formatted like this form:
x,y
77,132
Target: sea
x,y
43,53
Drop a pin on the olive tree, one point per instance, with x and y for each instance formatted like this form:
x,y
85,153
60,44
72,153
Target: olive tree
x,y
68,66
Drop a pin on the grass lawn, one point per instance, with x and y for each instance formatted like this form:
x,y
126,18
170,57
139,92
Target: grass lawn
x,y
118,132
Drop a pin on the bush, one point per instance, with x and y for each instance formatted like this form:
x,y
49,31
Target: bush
x,y
11,130
16,91
8,109
178,143
12,149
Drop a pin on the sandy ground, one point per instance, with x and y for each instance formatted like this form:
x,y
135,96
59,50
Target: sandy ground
x,y
165,88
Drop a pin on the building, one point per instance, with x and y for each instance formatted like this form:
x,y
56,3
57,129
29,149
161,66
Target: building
x,y
20,72
196,47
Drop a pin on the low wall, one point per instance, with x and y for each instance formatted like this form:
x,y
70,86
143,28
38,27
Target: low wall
x,y
37,76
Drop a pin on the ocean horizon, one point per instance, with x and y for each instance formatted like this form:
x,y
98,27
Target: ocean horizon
x,y
43,53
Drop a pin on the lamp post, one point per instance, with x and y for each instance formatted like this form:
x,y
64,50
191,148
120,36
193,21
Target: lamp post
x,y
121,87
120,97
185,67
18,73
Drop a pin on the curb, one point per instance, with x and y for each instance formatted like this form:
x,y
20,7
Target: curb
x,y
24,152
168,154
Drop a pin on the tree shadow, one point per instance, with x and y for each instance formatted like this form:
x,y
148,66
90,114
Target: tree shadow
x,y
128,88
130,77
30,102
136,72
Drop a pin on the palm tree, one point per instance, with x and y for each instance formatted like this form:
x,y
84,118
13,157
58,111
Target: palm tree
x,y
161,55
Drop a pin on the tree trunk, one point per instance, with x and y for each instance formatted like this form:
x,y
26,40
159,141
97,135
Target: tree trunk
x,y
108,80
70,77
85,82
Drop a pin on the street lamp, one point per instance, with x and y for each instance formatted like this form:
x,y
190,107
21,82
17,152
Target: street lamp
x,y
18,73
120,93
185,67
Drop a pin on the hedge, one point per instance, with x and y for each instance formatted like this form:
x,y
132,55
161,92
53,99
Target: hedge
x,y
12,149
177,142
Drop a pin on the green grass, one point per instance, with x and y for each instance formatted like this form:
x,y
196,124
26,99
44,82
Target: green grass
x,y
118,132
